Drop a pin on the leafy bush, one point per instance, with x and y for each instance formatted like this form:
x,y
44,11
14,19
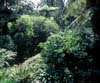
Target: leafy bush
x,y
29,31
25,24
72,41
23,73
66,51
43,27
54,47
36,25
6,57
7,42
7,81
53,54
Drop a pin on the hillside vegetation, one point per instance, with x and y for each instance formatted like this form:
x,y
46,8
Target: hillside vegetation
x,y
55,42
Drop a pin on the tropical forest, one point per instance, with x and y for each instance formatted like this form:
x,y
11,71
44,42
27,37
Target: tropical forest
x,y
49,41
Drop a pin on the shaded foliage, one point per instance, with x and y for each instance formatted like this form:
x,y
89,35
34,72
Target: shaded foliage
x,y
28,31
54,43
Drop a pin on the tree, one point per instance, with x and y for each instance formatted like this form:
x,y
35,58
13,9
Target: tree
x,y
48,11
64,53
29,31
25,7
55,3
6,13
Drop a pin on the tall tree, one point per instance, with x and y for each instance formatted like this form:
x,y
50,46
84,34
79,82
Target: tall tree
x,y
58,3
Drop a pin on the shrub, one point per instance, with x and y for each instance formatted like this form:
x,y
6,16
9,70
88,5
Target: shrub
x,y
25,24
43,27
53,54
35,25
6,57
7,42
7,81
23,73
29,31
65,53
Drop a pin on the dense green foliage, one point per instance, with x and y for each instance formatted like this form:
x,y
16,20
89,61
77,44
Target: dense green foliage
x,y
53,43
6,57
29,30
66,50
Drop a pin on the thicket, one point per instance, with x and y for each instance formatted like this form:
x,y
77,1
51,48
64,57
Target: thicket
x,y
47,45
